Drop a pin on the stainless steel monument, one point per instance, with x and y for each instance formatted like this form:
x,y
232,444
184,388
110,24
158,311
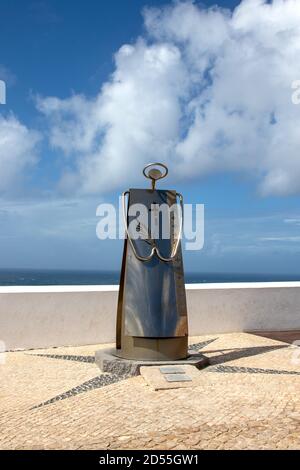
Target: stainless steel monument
x,y
152,313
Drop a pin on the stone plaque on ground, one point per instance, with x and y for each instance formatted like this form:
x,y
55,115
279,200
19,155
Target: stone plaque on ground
x,y
158,381
178,378
171,370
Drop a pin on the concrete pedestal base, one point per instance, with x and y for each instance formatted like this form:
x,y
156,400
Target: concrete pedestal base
x,y
108,361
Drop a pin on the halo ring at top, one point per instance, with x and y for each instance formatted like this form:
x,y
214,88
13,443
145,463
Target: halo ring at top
x,y
154,173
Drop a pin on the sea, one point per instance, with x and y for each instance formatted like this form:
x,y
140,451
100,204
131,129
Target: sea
x,y
49,277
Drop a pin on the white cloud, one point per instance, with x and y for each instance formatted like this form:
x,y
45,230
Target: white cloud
x,y
280,239
17,151
292,221
206,90
135,118
49,216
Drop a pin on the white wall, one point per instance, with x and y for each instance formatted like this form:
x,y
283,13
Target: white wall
x,y
36,317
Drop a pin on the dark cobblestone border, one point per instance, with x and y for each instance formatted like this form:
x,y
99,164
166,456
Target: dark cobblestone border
x,y
123,372
96,382
119,372
250,370
198,346
67,357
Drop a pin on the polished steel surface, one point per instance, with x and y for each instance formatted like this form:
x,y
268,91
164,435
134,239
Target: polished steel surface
x,y
152,312
151,288
175,240
153,349
154,173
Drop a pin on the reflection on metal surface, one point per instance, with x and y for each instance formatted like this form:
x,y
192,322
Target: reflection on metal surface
x,y
152,243
152,313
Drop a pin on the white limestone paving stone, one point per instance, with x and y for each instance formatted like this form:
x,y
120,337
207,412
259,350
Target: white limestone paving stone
x,y
157,381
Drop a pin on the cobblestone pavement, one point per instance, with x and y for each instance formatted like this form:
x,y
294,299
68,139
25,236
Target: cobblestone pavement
x,y
248,398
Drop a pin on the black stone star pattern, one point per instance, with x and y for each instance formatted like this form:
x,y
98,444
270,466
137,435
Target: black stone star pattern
x,y
96,382
250,370
216,366
198,346
67,357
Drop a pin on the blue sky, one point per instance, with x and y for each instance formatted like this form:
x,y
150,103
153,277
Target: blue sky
x,y
247,177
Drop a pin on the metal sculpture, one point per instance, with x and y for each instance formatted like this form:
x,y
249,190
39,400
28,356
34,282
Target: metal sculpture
x,y
152,312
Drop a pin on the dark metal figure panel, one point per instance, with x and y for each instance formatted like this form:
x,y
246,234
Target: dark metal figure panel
x,y
153,299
